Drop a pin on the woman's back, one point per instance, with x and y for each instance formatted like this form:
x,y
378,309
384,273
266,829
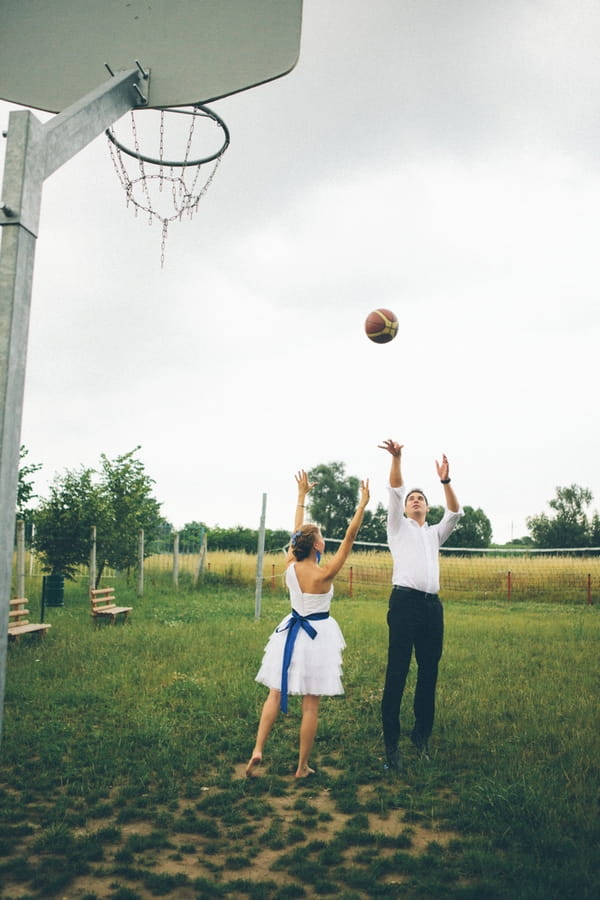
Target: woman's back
x,y
306,602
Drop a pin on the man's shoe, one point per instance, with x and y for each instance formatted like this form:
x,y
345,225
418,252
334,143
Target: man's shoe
x,y
420,743
392,758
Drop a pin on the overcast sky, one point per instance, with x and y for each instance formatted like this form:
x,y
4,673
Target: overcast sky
x,y
441,159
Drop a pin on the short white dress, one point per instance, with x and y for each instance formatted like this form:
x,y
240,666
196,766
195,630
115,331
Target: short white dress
x,y
316,665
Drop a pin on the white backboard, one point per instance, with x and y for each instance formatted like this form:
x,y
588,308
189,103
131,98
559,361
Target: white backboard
x,y
53,52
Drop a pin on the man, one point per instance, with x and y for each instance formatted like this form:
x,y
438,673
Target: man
x,y
415,617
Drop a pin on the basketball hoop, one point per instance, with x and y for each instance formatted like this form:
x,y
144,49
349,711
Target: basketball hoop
x,y
167,185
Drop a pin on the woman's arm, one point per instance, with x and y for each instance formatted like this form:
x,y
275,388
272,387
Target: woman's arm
x,y
331,569
304,488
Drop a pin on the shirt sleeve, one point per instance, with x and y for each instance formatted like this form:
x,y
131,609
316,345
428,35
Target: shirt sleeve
x,y
395,509
447,524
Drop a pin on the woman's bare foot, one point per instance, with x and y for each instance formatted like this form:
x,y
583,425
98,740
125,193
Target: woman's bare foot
x,y
254,762
304,772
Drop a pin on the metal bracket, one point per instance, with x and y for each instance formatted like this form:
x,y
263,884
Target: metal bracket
x,y
6,214
145,73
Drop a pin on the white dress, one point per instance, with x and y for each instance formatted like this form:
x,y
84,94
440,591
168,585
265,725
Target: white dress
x,y
316,665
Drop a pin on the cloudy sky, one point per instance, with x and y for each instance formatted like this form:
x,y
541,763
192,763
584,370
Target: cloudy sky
x,y
440,158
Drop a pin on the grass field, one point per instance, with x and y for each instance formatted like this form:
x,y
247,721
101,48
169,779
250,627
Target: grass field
x,y
121,767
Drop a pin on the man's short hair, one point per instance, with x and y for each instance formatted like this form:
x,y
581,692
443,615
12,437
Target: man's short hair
x,y
416,491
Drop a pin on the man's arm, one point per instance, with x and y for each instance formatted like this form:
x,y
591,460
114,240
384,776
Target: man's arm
x,y
443,470
395,449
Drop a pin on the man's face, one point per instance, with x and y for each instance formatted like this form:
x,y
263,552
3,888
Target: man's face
x,y
415,506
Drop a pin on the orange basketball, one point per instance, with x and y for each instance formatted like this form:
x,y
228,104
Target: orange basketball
x,y
381,326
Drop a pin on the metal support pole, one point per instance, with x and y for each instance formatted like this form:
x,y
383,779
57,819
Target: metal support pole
x,y
33,152
259,558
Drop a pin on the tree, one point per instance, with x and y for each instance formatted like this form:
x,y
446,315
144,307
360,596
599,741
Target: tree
x,y
374,526
190,536
117,500
24,486
526,541
474,529
570,527
332,501
130,507
63,521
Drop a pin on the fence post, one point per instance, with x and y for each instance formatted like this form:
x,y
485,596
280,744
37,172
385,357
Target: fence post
x,y
176,558
31,553
350,586
259,558
92,557
140,584
508,586
589,590
201,557
20,558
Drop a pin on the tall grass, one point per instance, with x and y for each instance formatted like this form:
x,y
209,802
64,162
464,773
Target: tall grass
x,y
123,751
558,579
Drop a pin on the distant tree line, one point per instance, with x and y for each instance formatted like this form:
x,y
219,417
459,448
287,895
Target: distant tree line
x,y
117,498
570,524
332,501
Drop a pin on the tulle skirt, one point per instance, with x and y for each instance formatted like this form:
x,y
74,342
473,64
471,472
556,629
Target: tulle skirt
x,y
316,666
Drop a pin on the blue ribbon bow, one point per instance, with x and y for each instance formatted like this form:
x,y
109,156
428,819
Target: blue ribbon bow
x,y
293,626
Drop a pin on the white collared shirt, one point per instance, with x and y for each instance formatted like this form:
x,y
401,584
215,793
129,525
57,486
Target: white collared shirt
x,y
415,548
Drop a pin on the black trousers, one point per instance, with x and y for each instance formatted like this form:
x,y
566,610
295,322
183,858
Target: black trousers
x,y
415,620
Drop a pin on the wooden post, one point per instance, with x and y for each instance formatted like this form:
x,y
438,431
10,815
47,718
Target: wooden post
x,y
176,558
92,557
589,590
20,558
201,558
508,587
140,584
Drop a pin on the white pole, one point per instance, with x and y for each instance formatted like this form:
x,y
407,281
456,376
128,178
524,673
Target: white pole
x,y
259,558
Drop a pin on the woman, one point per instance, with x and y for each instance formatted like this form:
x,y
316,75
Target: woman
x,y
304,653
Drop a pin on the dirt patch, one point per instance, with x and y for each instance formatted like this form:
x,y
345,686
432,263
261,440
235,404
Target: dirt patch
x,y
306,814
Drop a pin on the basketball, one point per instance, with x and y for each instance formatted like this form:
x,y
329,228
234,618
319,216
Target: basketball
x,y
381,326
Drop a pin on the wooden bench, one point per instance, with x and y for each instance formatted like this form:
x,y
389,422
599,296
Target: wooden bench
x,y
18,621
103,604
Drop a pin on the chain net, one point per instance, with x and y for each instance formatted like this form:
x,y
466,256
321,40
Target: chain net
x,y
162,186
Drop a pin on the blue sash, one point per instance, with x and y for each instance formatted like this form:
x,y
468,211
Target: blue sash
x,y
292,626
